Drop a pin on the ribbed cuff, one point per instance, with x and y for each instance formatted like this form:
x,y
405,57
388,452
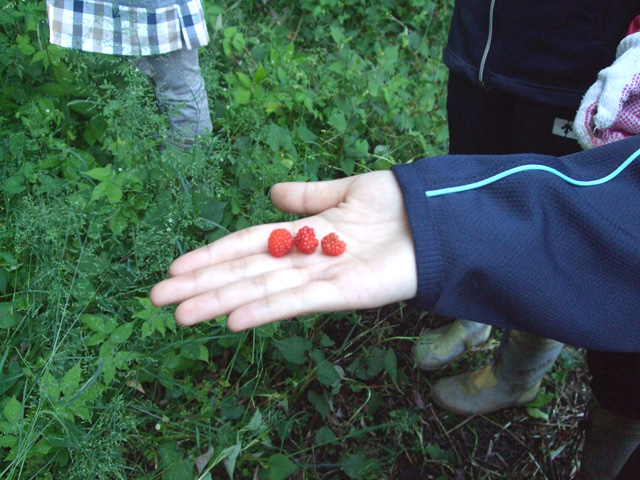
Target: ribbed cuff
x,y
429,262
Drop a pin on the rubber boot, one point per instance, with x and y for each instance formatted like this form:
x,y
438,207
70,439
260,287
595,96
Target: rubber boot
x,y
512,379
441,346
610,439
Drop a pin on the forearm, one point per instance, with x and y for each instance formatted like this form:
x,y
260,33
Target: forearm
x,y
531,251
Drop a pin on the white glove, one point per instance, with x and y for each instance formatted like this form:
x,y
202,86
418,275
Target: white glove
x,y
610,110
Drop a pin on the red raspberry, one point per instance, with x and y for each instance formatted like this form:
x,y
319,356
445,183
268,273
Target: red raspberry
x,y
306,240
280,242
332,245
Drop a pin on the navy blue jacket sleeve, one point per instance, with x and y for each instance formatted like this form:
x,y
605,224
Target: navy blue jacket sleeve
x,y
531,251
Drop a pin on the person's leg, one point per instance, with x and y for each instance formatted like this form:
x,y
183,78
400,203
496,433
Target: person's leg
x,y
544,129
612,435
180,90
479,120
440,346
512,379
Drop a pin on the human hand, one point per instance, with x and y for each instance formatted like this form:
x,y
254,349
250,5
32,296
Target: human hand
x,y
610,110
236,276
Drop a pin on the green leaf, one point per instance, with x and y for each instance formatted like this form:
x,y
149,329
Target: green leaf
x,y
537,413
337,34
260,75
118,223
8,380
26,49
325,435
325,341
124,357
294,349
338,121
242,96
100,173
4,280
99,191
434,451
121,333
375,363
96,339
8,441
173,465
279,138
391,365
8,315
14,184
230,455
93,322
211,213
362,146
281,467
114,192
541,399
195,351
305,134
71,380
256,421
383,164
12,410
327,373
244,79
231,412
146,330
354,464
108,369
319,402
347,165
50,386
229,32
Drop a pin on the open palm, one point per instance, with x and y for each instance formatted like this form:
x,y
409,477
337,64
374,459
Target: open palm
x,y
236,276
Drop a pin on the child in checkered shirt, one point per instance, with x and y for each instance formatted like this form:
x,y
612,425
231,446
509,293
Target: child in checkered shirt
x,y
164,34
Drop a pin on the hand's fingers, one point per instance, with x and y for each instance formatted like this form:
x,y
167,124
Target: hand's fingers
x,y
199,281
228,298
240,244
191,284
310,198
316,297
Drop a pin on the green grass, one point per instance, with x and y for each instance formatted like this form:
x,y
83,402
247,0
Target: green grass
x,y
97,383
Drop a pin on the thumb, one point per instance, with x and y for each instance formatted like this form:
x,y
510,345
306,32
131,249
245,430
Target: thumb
x,y
307,198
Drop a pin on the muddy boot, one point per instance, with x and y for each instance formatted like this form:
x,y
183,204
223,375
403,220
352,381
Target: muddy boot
x,y
610,439
512,379
441,346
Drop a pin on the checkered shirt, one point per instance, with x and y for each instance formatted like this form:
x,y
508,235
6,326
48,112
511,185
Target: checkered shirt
x,y
127,27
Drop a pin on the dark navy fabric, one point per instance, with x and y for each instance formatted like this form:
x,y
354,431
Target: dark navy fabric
x,y
531,252
510,124
534,45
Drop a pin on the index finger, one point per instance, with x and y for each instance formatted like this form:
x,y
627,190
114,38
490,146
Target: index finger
x,y
240,244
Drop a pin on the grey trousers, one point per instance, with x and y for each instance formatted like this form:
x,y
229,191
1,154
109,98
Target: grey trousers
x,y
179,89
